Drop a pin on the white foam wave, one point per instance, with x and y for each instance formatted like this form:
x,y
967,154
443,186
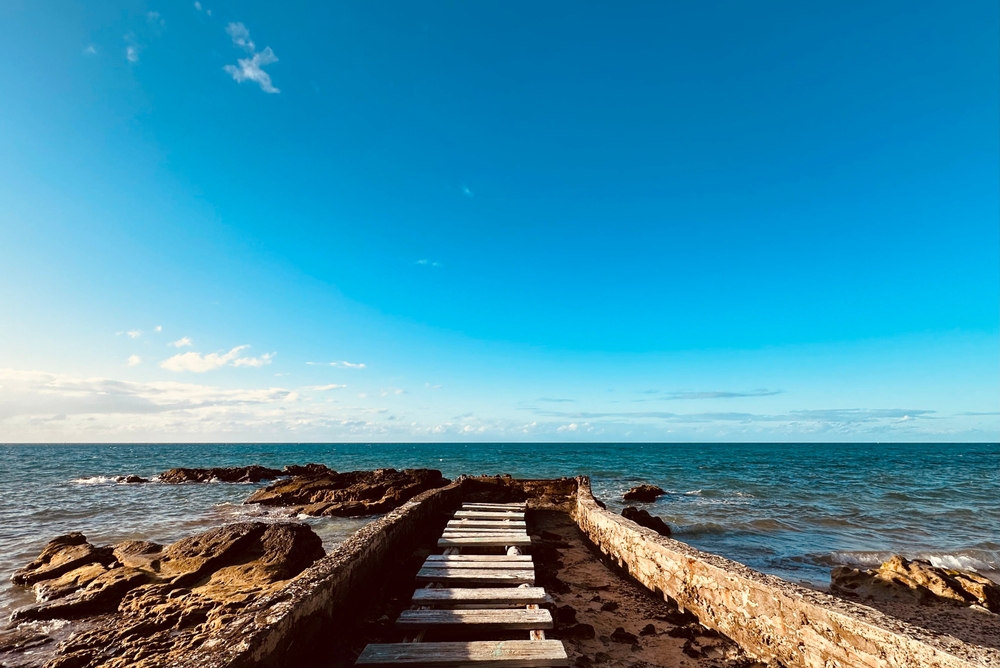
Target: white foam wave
x,y
963,562
95,480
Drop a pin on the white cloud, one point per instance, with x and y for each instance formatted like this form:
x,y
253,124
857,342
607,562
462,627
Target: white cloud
x,y
341,364
197,5
250,69
132,53
181,342
154,17
466,191
325,388
198,363
428,263
568,427
90,50
255,362
241,36
158,328
134,334
134,360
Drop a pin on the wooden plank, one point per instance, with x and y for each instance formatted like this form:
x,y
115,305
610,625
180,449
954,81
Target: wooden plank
x,y
480,654
503,619
472,531
476,576
489,514
492,565
479,596
518,524
480,557
497,506
484,541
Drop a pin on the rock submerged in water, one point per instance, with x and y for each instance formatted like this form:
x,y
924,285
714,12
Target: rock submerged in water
x,y
149,603
644,493
917,579
644,519
349,494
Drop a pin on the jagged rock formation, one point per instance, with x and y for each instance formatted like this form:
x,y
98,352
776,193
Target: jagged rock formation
x,y
917,579
252,473
348,494
140,604
644,493
644,519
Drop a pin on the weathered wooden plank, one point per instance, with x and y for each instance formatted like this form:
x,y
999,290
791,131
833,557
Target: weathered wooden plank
x,y
480,654
484,541
479,596
519,524
477,531
476,576
503,619
480,557
497,506
489,514
492,565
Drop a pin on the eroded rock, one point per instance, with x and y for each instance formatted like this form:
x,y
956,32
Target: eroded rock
x,y
131,479
252,473
153,603
644,519
644,493
61,555
917,579
349,494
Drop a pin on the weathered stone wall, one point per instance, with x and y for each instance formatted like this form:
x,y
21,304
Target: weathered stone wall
x,y
769,617
301,623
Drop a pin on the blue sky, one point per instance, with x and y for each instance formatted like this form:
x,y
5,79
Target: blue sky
x,y
499,221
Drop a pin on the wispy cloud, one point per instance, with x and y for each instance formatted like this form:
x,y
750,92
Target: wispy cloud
x,y
467,191
325,388
428,263
250,69
552,400
197,5
134,360
181,342
91,50
686,396
341,364
198,363
158,328
134,334
156,19
132,48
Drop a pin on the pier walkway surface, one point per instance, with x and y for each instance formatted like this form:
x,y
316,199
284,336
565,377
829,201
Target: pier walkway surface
x,y
480,586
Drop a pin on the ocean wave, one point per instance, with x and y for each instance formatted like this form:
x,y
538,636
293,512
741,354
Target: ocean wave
x,y
978,562
96,480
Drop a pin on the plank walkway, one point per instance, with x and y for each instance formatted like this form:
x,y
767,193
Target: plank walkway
x,y
466,594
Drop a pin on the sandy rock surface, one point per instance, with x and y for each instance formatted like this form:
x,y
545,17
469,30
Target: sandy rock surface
x,y
141,604
348,494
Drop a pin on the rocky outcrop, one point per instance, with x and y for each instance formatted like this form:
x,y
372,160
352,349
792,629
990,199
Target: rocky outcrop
x,y
917,579
349,494
252,473
130,479
644,493
141,604
644,519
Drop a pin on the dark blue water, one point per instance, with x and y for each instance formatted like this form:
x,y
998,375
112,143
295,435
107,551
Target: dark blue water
x,y
790,510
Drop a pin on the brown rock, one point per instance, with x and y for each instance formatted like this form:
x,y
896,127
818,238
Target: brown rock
x,y
308,470
644,519
917,579
577,631
130,479
252,473
61,555
68,582
174,601
644,493
648,630
349,494
610,606
623,636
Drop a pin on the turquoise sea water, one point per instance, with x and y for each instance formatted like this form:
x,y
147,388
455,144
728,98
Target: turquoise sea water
x,y
793,510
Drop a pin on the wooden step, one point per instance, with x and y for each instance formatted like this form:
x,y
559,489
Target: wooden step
x,y
476,576
479,596
484,541
472,531
481,654
489,514
516,524
480,557
490,565
495,506
504,619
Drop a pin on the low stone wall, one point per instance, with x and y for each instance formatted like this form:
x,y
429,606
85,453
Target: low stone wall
x,y
769,617
299,625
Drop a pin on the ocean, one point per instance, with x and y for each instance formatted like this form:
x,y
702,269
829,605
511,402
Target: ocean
x,y
791,510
